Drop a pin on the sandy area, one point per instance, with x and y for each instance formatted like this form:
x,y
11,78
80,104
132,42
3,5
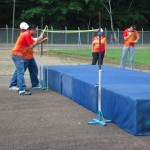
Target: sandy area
x,y
7,66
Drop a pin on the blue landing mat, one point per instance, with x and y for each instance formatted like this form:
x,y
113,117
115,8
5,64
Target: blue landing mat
x,y
125,93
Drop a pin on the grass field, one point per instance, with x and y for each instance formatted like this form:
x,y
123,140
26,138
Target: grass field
x,y
142,57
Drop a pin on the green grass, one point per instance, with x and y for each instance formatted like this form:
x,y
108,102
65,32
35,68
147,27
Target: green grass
x,y
142,57
86,53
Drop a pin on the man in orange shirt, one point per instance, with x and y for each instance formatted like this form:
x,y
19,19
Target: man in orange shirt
x,y
96,48
131,37
31,65
23,44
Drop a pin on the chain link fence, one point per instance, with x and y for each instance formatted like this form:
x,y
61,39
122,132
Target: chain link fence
x,y
9,35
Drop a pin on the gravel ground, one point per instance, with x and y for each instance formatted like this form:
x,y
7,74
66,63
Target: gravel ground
x,y
47,120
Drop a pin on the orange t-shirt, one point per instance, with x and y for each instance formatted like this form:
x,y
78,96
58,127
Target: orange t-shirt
x,y
133,36
22,45
95,44
28,53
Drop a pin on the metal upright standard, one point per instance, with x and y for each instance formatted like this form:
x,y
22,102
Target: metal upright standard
x,y
42,86
100,118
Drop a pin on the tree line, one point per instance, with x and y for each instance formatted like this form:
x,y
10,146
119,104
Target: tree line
x,y
77,13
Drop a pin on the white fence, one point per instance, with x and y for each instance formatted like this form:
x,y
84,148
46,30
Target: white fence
x,y
9,35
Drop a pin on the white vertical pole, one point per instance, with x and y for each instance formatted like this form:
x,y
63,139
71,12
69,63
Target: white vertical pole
x,y
118,35
142,36
105,32
65,35
51,35
38,36
79,37
100,119
6,34
41,52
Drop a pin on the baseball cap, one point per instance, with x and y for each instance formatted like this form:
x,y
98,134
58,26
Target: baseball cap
x,y
133,26
24,26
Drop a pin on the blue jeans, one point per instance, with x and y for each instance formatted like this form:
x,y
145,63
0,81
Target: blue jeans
x,y
33,70
18,76
131,51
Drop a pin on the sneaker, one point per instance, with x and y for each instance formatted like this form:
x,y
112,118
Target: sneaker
x,y
24,92
14,88
39,87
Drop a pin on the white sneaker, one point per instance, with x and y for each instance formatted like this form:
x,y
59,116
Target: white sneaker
x,y
14,88
24,92
39,87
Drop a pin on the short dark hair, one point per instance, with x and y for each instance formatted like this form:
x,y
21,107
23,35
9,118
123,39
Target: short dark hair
x,y
32,27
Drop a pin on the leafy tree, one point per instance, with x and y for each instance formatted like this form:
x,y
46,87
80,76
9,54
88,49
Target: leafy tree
x,y
77,13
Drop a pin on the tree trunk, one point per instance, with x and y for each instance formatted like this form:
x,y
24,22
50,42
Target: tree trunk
x,y
111,21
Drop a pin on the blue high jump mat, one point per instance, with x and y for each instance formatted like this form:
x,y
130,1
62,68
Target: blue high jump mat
x,y
125,93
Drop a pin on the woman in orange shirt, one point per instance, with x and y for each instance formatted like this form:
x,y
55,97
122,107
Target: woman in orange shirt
x,y
98,49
